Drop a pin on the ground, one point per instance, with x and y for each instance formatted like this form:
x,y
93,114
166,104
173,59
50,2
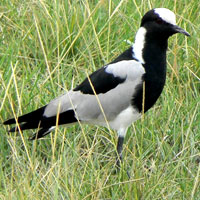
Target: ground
x,y
48,47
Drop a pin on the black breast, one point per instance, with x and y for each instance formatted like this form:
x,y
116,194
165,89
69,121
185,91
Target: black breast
x,y
154,55
150,90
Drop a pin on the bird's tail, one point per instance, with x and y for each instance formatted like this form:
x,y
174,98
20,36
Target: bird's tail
x,y
33,117
36,120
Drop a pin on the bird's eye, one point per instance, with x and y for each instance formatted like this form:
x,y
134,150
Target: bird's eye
x,y
159,21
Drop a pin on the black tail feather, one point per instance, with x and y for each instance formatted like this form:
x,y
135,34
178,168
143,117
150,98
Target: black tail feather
x,y
41,133
36,120
29,117
25,126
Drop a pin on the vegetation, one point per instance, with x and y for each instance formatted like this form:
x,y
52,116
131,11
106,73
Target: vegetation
x,y
48,47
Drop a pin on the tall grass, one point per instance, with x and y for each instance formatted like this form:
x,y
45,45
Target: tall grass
x,y
47,48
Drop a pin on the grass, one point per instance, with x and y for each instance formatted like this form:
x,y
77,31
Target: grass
x,y
48,47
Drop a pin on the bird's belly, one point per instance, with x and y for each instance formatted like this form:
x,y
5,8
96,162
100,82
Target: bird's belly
x,y
125,118
121,121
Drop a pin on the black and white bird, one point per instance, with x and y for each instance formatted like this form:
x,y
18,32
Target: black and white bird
x,y
117,94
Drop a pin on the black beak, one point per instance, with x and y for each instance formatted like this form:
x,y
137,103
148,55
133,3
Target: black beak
x,y
178,29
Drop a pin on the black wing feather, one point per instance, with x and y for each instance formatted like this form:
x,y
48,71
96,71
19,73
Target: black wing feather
x,y
126,55
103,81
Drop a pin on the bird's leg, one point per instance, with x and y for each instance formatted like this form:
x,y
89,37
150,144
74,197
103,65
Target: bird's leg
x,y
121,134
119,150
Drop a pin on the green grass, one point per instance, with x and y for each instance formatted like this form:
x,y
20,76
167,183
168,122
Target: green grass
x,y
48,47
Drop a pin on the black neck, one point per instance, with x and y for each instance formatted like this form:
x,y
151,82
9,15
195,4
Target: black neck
x,y
154,55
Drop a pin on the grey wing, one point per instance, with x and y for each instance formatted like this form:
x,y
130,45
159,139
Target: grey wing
x,y
94,109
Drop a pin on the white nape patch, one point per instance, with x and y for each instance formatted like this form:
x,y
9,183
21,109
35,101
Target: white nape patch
x,y
129,69
139,44
166,15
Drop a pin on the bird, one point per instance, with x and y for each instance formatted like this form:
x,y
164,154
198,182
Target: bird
x,y
117,94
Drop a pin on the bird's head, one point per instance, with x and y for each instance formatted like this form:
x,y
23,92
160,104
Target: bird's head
x,y
161,22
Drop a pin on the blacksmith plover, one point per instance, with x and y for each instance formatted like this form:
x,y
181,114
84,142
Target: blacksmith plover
x,y
117,94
